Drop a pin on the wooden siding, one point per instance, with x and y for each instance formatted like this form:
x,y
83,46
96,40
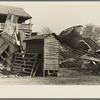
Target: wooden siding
x,y
51,53
34,47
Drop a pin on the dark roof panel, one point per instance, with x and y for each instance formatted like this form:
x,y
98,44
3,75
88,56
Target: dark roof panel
x,y
41,37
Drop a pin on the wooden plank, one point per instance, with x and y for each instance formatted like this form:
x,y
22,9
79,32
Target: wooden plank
x,y
51,62
10,24
51,53
51,67
22,68
2,57
3,47
34,64
37,66
34,47
50,57
7,53
22,37
23,64
22,60
26,58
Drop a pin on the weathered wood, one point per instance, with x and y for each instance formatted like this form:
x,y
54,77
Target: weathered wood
x,y
10,24
34,47
51,53
26,68
22,37
33,68
2,57
3,47
7,53
49,48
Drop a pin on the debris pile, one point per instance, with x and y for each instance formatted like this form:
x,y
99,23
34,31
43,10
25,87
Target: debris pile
x,y
25,53
79,52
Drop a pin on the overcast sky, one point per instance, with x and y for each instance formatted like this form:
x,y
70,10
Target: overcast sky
x,y
60,15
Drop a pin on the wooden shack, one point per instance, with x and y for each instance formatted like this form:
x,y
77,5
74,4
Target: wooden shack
x,y
47,48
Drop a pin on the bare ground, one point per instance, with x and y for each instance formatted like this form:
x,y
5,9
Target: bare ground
x,y
66,77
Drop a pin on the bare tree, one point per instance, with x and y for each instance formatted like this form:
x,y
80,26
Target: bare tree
x,y
92,32
46,30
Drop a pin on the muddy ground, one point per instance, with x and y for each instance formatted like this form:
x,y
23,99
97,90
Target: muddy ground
x,y
66,77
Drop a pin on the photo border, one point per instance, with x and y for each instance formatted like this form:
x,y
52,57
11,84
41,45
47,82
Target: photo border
x,y
43,85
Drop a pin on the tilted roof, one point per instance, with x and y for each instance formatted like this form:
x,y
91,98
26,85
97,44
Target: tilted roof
x,y
67,31
20,12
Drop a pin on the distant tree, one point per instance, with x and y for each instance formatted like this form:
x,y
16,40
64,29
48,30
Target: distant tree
x,y
46,30
92,32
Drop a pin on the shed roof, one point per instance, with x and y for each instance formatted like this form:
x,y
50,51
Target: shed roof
x,y
41,37
20,12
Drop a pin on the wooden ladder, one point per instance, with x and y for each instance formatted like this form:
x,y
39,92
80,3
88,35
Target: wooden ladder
x,y
24,64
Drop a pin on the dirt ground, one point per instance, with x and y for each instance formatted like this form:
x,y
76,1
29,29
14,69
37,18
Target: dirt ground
x,y
66,77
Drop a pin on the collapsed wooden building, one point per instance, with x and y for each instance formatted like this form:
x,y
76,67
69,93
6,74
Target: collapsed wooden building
x,y
11,25
28,53
76,50
41,57
37,55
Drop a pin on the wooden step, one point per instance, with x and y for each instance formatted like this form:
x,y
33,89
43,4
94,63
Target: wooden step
x,y
27,72
22,64
25,53
22,68
30,58
23,61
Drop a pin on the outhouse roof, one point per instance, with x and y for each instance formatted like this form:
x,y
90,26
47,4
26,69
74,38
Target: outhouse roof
x,y
41,37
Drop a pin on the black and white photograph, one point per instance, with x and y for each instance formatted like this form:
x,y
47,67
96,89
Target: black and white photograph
x,y
49,43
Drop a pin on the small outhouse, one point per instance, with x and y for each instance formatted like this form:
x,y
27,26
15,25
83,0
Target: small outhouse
x,y
47,48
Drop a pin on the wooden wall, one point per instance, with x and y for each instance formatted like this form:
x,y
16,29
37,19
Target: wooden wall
x,y
34,47
49,47
51,53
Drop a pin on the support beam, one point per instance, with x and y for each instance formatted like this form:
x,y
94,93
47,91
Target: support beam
x,y
2,57
44,73
6,53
